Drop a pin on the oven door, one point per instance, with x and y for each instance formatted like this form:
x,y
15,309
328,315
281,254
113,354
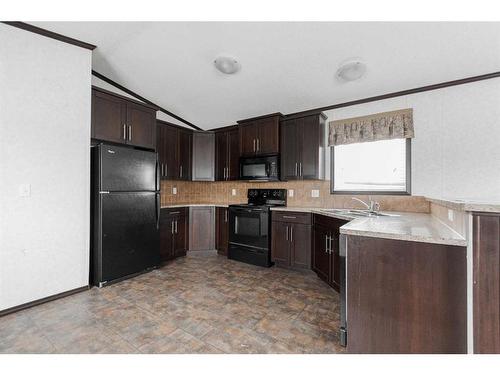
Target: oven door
x,y
249,227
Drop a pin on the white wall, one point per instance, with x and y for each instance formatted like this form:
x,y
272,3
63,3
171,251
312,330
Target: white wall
x,y
44,141
456,149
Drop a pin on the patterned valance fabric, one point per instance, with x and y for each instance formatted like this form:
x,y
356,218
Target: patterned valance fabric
x,y
376,127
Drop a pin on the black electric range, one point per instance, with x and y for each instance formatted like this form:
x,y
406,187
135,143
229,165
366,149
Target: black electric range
x,y
250,226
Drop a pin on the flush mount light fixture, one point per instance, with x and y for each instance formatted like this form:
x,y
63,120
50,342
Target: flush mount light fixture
x,y
227,64
351,70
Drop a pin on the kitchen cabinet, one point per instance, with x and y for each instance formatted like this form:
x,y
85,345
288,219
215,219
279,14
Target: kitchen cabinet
x,y
222,230
303,148
326,249
174,145
260,135
405,297
201,228
291,239
227,155
121,120
486,282
203,156
173,233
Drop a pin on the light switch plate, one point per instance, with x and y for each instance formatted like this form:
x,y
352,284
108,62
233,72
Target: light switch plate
x,y
315,193
174,190
24,190
233,192
450,215
290,193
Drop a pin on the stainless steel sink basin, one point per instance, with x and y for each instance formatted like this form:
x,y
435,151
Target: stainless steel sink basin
x,y
352,212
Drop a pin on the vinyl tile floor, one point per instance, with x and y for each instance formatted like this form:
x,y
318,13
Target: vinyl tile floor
x,y
196,304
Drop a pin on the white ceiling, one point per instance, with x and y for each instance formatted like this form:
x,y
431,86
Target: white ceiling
x,y
286,66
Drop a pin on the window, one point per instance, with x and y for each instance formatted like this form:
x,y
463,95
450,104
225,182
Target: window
x,y
381,167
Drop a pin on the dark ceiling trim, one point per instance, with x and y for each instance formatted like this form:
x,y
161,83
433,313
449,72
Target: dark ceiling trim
x,y
399,93
49,34
143,99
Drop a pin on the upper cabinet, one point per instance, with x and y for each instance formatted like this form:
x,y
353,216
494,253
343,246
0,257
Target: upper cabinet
x,y
203,156
117,119
174,145
303,148
227,154
260,135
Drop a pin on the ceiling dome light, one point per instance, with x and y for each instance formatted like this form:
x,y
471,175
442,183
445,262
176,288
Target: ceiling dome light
x,y
227,64
351,70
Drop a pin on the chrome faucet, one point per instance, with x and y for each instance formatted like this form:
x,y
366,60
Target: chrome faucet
x,y
372,206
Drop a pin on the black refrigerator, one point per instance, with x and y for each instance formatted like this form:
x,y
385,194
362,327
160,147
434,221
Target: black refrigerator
x,y
125,213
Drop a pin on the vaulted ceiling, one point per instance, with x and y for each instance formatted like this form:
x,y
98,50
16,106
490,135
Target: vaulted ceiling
x,y
286,67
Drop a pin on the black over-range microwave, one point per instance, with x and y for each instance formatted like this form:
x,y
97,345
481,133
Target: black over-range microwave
x,y
262,168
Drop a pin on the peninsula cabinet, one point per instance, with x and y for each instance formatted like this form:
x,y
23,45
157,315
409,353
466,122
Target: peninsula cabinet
x,y
173,233
174,145
260,135
121,120
405,297
291,239
326,249
227,155
222,230
486,282
303,148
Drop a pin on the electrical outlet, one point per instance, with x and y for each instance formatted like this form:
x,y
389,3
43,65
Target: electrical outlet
x,y
24,190
450,215
315,193
290,193
233,191
174,190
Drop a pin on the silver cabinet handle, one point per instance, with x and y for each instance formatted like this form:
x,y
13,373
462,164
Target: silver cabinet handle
x,y
291,233
130,132
254,144
176,226
289,217
300,169
162,169
225,216
166,170
175,212
172,227
326,244
296,169
124,132
287,232
258,144
180,171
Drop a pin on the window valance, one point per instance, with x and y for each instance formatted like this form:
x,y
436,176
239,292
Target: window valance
x,y
376,127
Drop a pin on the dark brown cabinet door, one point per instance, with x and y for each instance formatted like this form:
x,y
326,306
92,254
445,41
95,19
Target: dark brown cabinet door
x,y
141,122
166,236
311,145
280,247
248,139
268,136
486,283
170,144
221,155
321,257
181,233
289,150
185,139
108,117
222,230
233,163
300,246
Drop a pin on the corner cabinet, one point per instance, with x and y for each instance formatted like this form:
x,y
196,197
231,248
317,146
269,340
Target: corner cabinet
x,y
201,228
326,249
173,233
203,156
303,148
227,155
121,120
291,239
260,135
174,145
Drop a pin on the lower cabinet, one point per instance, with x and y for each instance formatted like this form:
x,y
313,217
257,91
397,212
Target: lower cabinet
x,y
291,239
173,233
201,228
222,230
325,254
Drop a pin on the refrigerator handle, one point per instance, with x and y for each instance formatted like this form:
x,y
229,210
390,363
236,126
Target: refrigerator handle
x,y
158,208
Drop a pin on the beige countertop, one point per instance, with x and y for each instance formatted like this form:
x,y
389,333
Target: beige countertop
x,y
471,205
193,205
406,226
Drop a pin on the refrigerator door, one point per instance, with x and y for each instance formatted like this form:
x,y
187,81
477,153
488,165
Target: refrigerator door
x,y
127,169
129,234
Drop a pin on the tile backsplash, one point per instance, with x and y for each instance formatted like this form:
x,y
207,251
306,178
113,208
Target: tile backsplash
x,y
221,193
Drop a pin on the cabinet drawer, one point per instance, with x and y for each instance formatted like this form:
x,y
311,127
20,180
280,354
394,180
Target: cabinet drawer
x,y
292,217
174,211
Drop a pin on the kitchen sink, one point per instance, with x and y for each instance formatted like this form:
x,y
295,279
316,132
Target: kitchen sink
x,y
352,212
